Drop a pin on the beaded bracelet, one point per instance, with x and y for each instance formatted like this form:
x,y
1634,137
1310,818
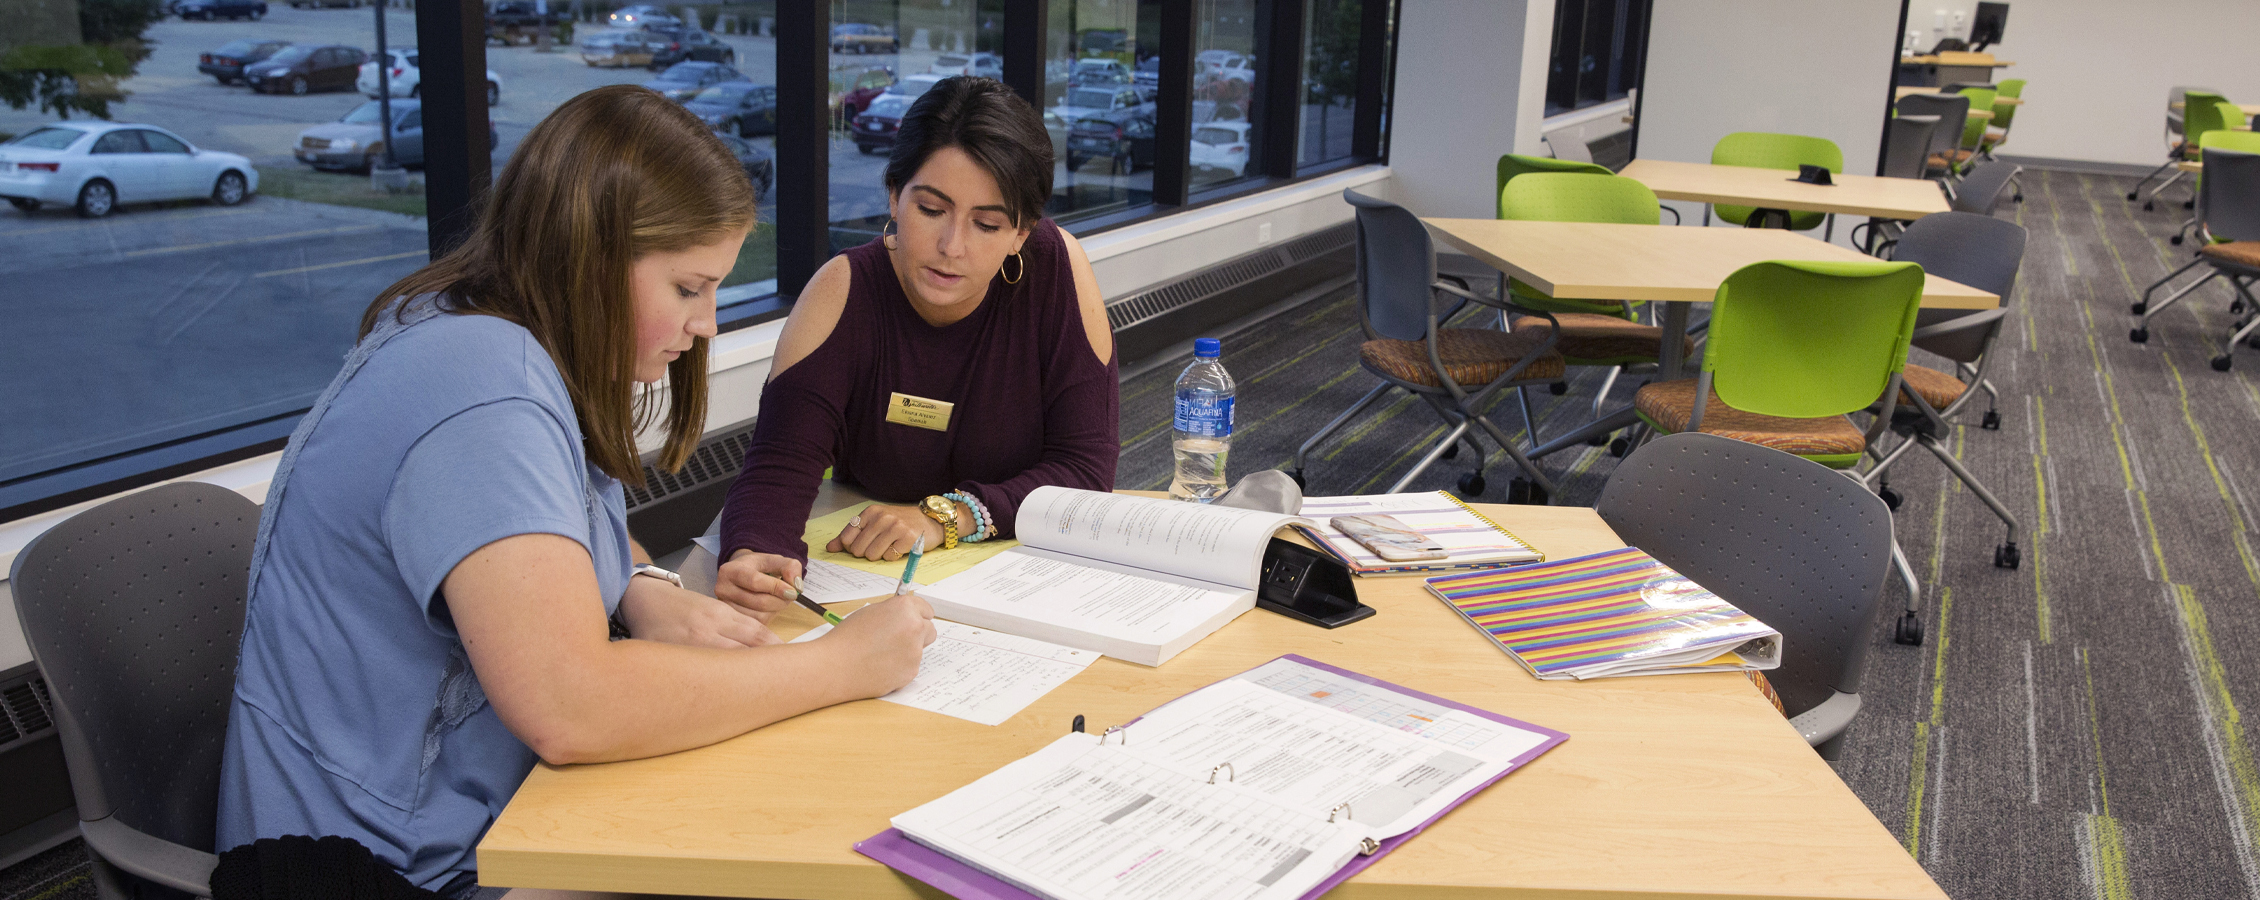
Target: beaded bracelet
x,y
983,529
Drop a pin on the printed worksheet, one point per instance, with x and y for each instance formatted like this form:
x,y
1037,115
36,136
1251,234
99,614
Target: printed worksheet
x,y
1092,822
981,675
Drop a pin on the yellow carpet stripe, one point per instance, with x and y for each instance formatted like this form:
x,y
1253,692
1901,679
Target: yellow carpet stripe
x,y
2106,845
2212,466
1919,769
2039,584
2221,708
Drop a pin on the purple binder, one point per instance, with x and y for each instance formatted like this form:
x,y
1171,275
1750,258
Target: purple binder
x,y
964,882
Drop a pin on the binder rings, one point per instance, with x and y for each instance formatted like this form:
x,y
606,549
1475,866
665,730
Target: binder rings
x,y
1438,721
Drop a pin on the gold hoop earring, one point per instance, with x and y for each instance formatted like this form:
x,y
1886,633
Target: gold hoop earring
x,y
1023,269
887,231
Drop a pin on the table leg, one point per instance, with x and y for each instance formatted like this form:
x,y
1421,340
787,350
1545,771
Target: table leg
x,y
1673,322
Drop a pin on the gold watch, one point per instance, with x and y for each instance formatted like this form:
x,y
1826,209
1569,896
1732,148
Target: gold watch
x,y
940,509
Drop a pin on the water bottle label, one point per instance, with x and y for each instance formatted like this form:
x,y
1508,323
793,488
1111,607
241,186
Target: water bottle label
x,y
1205,416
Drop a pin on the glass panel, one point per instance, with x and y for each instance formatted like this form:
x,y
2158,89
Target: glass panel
x,y
229,283
659,46
1624,75
884,53
1561,71
1225,83
1594,65
1102,65
1330,80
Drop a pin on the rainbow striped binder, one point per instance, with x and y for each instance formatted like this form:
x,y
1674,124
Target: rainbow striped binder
x,y
1608,614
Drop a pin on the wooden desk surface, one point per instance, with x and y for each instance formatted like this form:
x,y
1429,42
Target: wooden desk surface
x,y
2250,109
1669,787
1859,195
1901,94
1594,261
1952,58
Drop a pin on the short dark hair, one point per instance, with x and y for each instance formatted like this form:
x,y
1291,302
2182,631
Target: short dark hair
x,y
992,124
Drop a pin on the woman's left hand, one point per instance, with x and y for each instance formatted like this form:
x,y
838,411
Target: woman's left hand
x,y
657,611
886,533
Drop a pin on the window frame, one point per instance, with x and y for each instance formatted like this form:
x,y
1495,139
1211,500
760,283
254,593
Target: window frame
x,y
1627,41
450,44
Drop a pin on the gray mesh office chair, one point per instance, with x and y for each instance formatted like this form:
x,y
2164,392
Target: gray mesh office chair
x,y
1953,112
1981,189
134,610
2174,148
1784,539
2228,211
1985,253
1408,348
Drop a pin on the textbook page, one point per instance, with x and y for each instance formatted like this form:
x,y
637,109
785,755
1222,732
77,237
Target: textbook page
x,y
1132,614
1081,821
1203,541
1316,756
981,675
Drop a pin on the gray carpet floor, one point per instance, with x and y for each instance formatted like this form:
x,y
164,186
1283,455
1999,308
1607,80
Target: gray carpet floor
x,y
2071,728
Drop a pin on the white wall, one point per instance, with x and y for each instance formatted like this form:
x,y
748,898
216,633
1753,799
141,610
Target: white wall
x,y
2097,71
1471,81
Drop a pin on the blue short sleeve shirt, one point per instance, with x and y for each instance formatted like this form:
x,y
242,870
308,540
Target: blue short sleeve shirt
x,y
356,712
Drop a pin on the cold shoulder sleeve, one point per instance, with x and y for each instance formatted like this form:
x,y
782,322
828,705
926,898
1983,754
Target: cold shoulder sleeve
x,y
795,438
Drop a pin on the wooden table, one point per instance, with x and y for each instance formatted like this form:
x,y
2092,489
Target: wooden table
x,y
1859,195
1669,787
1677,267
1953,67
1902,93
2250,109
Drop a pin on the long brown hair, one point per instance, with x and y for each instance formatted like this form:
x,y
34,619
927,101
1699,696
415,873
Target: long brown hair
x,y
611,175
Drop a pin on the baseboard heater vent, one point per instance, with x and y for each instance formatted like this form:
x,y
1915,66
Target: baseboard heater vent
x,y
29,712
718,458
1226,276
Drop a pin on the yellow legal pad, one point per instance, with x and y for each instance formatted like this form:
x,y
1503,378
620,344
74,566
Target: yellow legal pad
x,y
937,564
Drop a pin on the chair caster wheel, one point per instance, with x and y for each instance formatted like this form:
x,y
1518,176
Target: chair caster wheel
x,y
2006,556
2176,240
1297,475
2016,198
1909,632
1891,498
1525,491
1598,440
1992,420
2133,194
1619,447
2189,204
1558,388
2221,363
1451,452
2139,335
2253,342
2236,308
2138,308
1471,485
2148,206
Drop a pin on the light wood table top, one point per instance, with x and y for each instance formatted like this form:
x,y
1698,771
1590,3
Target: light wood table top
x,y
2190,165
1902,93
2250,109
1669,787
1951,58
1599,261
1859,195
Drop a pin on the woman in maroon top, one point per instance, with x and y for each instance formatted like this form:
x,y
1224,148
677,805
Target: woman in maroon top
x,y
946,369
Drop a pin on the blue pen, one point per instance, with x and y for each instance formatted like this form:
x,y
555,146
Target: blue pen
x,y
911,568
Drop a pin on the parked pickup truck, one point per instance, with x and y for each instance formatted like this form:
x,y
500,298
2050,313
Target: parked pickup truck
x,y
521,21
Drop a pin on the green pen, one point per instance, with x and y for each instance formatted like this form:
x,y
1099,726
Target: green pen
x,y
798,593
911,568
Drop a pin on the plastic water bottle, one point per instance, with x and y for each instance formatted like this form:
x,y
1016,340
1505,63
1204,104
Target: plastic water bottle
x,y
1204,425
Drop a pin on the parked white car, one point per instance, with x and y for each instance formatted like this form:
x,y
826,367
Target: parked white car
x,y
642,16
406,79
97,165
1224,64
984,65
1221,145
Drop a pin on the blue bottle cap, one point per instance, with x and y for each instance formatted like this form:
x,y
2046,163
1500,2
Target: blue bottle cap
x,y
1207,348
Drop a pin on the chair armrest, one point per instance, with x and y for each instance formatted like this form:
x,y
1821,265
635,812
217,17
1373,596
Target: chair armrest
x,y
1827,720
156,859
1961,323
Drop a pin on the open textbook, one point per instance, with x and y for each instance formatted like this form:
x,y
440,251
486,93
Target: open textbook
x,y
1134,578
1272,785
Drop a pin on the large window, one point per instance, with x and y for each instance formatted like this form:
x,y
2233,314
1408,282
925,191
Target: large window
x,y
1598,47
208,290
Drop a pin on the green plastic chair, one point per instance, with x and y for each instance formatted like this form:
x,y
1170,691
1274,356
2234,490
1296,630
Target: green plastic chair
x,y
1592,333
2004,115
1514,164
1973,129
2202,111
1762,150
1794,346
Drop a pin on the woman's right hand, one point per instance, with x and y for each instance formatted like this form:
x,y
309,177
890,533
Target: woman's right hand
x,y
886,641
757,583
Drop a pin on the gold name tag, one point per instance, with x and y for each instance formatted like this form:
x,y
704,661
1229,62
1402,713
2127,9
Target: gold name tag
x,y
918,412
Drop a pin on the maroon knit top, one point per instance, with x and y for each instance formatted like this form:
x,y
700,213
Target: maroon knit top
x,y
1034,406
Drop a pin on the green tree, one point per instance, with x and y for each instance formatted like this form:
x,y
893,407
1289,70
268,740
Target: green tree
x,y
81,77
1334,54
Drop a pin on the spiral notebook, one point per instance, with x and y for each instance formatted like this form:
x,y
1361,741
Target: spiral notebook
x,y
1276,784
1470,539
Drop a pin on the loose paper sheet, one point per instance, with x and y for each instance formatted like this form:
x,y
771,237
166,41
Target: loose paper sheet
x,y
981,675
